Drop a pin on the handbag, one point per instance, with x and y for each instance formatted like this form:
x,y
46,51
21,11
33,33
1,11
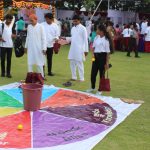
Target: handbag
x,y
104,84
19,49
56,48
34,78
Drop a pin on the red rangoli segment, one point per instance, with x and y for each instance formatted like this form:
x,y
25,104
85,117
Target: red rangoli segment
x,y
10,136
69,98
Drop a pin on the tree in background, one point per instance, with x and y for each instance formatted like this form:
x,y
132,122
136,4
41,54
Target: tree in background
x,y
89,4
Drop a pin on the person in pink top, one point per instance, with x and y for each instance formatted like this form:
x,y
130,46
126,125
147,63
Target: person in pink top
x,y
117,38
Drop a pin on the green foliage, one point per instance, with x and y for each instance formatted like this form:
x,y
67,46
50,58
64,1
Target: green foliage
x,y
147,1
89,4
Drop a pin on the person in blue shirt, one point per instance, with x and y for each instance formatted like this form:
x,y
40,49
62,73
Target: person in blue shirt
x,y
20,25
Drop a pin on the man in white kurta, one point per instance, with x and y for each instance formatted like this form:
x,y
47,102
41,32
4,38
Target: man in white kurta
x,y
78,49
36,45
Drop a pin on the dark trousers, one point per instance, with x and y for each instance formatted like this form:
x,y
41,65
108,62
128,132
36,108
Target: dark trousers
x,y
49,59
98,65
126,43
6,53
132,47
117,43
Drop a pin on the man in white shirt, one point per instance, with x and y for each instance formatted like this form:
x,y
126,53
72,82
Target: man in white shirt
x,y
143,26
147,38
36,45
79,48
6,44
52,36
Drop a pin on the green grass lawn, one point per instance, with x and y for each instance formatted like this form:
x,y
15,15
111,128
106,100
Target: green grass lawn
x,y
130,78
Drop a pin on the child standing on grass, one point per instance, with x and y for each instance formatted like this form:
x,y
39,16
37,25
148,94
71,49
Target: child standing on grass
x,y
101,50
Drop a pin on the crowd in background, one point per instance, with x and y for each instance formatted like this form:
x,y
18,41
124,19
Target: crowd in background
x,y
123,36
128,37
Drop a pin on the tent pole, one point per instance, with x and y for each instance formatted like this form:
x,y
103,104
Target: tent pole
x,y
108,4
96,9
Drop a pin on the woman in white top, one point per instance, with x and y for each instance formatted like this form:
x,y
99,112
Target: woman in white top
x,y
147,38
101,52
126,36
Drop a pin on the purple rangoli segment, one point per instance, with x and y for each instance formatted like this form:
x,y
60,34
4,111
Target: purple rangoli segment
x,y
95,113
52,130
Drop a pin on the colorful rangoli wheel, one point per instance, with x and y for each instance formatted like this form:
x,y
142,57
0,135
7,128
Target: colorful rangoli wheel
x,y
65,117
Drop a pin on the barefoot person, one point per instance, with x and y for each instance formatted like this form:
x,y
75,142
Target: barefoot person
x,y
36,45
78,49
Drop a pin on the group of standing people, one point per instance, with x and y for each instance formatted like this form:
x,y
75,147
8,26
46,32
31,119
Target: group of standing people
x,y
41,38
40,42
129,37
133,37
137,37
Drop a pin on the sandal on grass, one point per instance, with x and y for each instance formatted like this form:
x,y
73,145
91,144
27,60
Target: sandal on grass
x,y
67,84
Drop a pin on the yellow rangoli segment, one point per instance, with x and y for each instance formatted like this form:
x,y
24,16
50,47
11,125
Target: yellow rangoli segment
x,y
8,111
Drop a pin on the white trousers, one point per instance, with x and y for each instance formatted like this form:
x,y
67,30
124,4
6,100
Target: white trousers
x,y
39,69
74,65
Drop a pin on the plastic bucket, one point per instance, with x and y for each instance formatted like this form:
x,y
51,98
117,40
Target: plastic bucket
x,y
32,94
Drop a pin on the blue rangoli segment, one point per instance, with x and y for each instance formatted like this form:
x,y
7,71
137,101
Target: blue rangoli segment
x,y
17,93
48,93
